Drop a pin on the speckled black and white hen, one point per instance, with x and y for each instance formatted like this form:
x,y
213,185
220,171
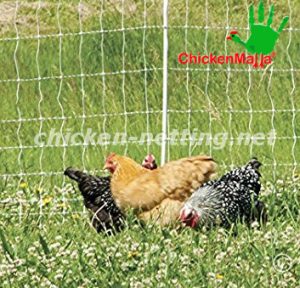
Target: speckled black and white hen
x,y
106,216
226,200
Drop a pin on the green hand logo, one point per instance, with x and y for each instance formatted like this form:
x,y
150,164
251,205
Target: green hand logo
x,y
263,38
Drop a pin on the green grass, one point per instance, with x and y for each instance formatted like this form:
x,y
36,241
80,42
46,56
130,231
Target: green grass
x,y
63,248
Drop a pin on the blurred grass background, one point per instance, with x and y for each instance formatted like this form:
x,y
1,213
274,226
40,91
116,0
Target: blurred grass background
x,y
218,101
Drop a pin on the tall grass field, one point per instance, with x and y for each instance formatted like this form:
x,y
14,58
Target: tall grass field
x,y
71,66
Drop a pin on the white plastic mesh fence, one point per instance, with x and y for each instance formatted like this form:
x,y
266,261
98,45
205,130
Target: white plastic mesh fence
x,y
98,65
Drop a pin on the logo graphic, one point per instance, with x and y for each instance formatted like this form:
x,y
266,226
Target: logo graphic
x,y
282,263
259,46
263,38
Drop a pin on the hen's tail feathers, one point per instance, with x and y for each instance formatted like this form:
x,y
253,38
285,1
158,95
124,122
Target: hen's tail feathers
x,y
206,163
255,164
75,174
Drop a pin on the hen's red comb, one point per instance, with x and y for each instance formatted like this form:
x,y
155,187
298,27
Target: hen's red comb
x,y
233,32
110,156
150,157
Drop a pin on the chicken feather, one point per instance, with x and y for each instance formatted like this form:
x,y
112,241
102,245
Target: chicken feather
x,y
158,194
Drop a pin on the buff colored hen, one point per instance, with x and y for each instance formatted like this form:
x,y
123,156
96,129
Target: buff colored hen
x,y
157,194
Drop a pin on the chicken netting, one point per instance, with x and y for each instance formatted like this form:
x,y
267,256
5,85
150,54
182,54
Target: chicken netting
x,y
80,79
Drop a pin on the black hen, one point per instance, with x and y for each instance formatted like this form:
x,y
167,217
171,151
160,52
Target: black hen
x,y
98,199
224,201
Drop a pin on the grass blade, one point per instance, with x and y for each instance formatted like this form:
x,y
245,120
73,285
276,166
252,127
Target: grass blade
x,y
6,245
44,245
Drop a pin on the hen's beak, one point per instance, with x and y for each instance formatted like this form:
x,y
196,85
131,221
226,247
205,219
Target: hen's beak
x,y
229,38
181,215
189,217
186,214
105,167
